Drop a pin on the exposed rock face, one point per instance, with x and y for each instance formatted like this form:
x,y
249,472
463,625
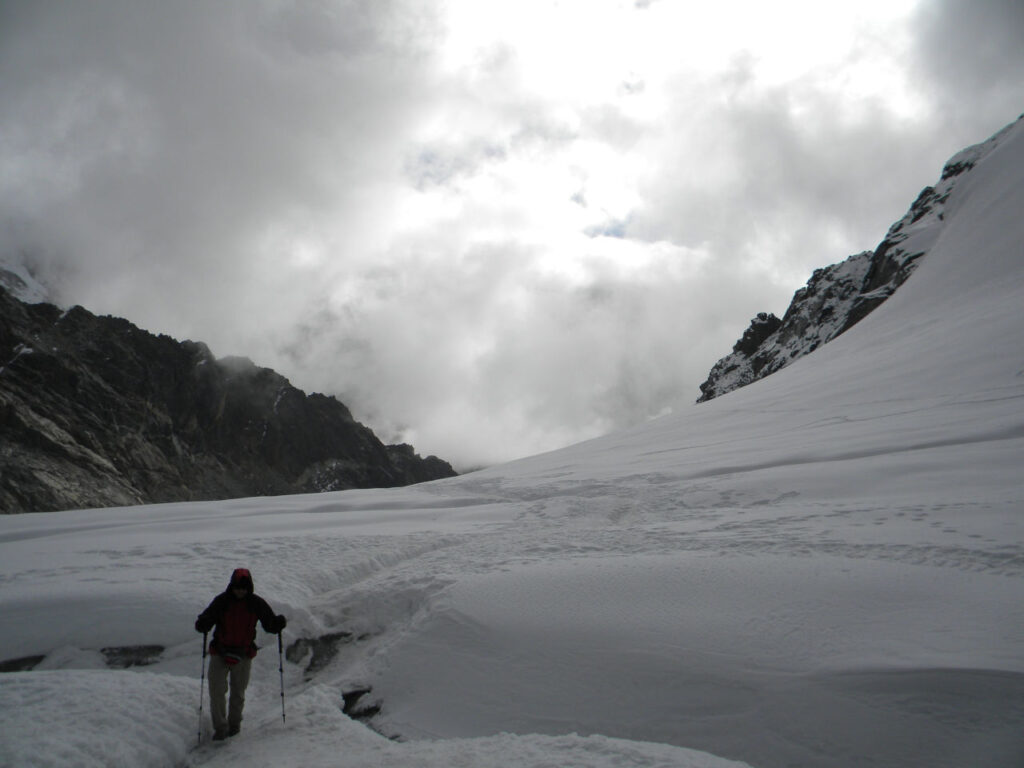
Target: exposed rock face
x,y
838,297
96,412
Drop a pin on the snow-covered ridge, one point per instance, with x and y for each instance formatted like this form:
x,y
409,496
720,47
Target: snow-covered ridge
x,y
839,296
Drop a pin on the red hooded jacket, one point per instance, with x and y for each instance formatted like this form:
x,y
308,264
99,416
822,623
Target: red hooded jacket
x,y
233,619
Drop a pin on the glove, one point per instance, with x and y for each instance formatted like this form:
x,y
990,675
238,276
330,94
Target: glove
x,y
201,628
282,622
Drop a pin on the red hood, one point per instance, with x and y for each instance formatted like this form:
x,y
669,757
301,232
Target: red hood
x,y
241,577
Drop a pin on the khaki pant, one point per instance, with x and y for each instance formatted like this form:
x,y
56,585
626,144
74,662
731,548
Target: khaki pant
x,y
220,671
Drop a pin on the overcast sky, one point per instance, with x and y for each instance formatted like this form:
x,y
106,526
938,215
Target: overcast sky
x,y
491,228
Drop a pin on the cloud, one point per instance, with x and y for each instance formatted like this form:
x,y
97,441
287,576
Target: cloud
x,y
495,350
970,55
442,163
488,232
182,148
780,178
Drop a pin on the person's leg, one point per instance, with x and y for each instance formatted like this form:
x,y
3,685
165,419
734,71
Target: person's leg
x,y
218,691
239,681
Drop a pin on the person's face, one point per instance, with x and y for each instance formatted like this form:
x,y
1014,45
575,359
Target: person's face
x,y
239,591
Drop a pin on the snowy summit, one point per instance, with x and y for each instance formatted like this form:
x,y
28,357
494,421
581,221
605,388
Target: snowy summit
x,y
823,568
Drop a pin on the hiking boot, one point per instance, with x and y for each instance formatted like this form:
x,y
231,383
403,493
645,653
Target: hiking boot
x,y
233,730
219,735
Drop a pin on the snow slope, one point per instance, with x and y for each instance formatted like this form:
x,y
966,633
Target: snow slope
x,y
17,278
838,296
824,568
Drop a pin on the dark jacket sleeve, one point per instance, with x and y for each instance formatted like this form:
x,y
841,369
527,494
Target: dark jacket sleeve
x,y
209,618
266,616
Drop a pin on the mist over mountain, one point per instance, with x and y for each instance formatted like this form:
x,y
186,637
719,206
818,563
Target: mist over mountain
x,y
96,412
839,296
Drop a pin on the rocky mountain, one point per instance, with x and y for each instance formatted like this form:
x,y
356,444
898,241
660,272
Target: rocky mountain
x,y
839,296
96,412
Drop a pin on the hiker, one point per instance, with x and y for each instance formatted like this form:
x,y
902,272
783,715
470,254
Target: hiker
x,y
233,615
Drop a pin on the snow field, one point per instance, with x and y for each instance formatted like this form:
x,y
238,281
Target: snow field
x,y
80,732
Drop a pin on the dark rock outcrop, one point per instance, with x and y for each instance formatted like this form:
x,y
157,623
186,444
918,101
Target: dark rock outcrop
x,y
322,650
96,412
839,296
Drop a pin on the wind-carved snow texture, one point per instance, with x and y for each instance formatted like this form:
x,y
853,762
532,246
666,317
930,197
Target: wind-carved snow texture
x,y
839,296
825,568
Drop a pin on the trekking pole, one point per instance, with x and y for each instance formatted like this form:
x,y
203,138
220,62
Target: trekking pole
x,y
280,668
202,681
